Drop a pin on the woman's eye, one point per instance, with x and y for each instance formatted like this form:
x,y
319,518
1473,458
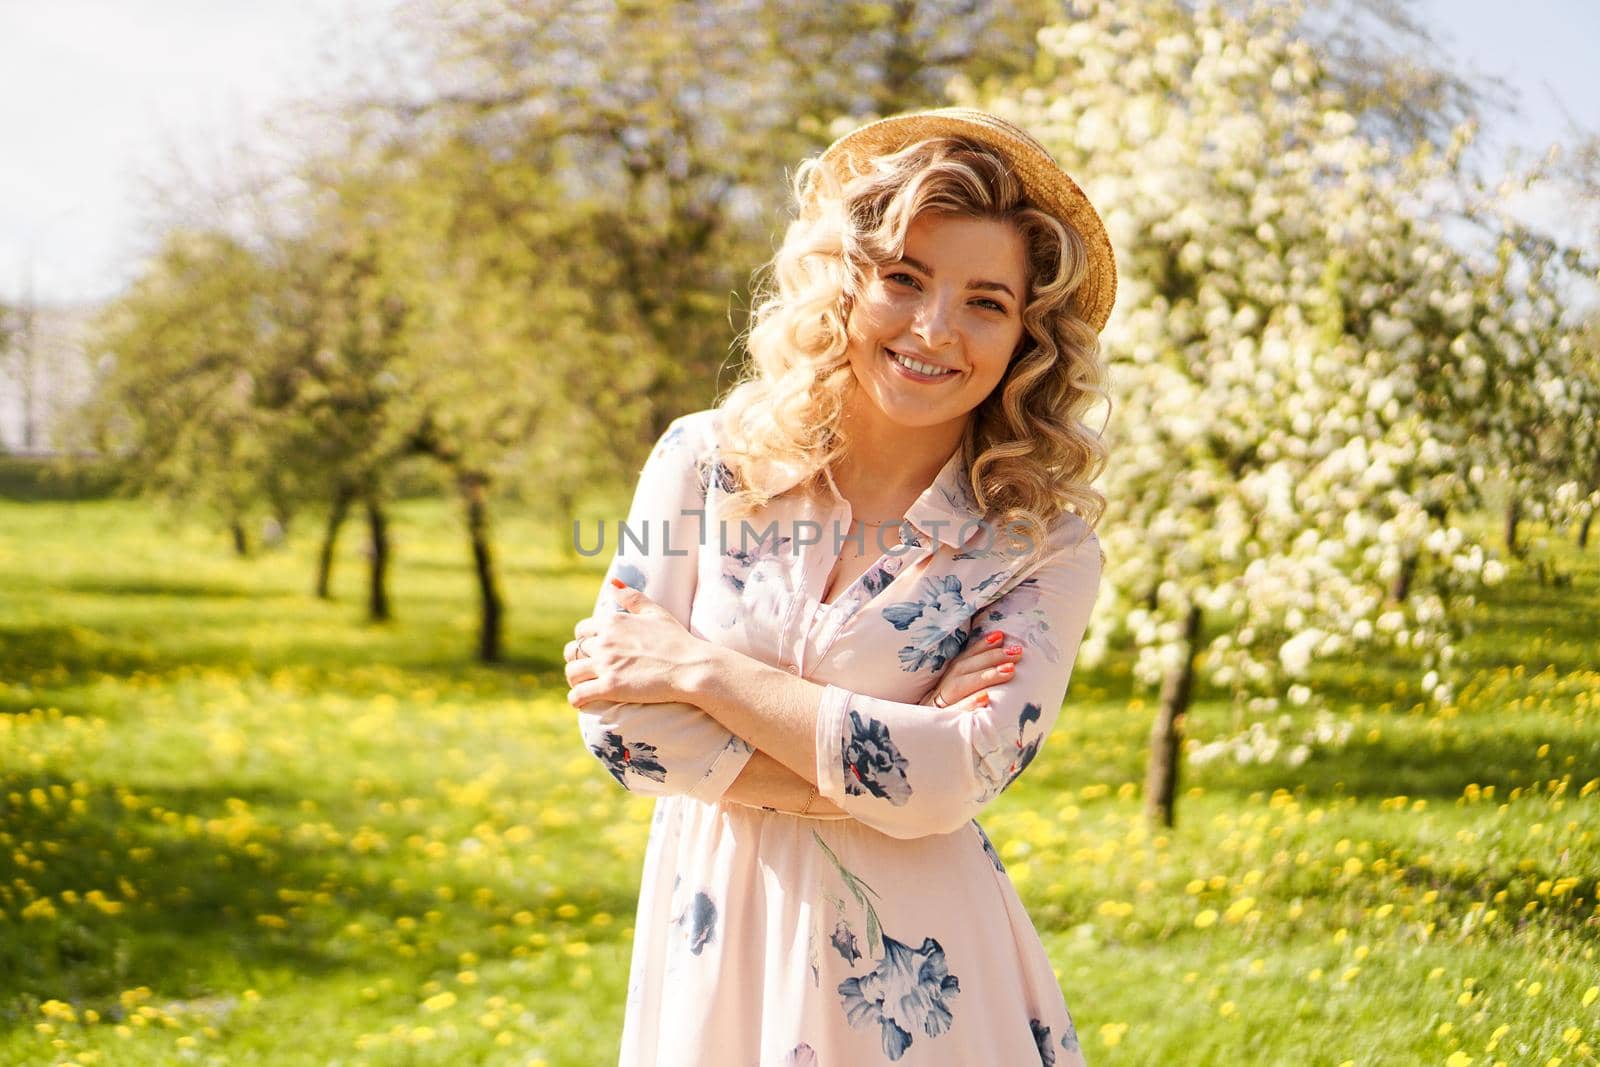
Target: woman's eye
x,y
902,277
992,305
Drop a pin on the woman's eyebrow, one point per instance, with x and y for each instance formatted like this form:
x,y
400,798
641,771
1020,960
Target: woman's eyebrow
x,y
998,287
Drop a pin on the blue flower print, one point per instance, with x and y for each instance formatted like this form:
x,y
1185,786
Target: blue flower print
x,y
1041,1038
1001,765
802,1055
845,942
876,580
717,473
631,576
1069,1040
904,994
994,581
1025,752
671,439
872,763
702,920
738,562
1019,615
620,758
937,622
988,846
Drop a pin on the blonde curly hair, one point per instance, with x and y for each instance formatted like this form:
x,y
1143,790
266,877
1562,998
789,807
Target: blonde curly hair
x,y
1027,452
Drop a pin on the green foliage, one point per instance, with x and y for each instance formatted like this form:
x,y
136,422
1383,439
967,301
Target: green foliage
x,y
30,478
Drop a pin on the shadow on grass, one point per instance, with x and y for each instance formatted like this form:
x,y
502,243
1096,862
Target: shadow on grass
x,y
61,656
191,886
69,650
165,587
1557,621
1440,768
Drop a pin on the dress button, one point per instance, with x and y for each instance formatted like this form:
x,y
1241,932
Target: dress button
x,y
893,565
794,668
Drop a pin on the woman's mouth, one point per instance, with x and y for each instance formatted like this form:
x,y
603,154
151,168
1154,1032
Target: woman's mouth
x,y
917,370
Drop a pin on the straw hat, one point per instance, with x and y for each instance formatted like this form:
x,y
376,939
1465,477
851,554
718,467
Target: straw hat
x,y
1049,187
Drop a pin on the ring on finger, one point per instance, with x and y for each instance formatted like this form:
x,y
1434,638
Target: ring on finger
x,y
581,653
938,701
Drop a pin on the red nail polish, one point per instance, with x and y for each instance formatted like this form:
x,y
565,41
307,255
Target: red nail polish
x,y
1007,668
619,583
983,700
1014,650
994,638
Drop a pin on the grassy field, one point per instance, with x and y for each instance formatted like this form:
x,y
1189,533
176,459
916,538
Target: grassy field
x,y
242,826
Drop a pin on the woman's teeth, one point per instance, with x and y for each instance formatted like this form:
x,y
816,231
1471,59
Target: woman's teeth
x,y
927,370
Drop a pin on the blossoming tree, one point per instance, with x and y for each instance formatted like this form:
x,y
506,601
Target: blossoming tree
x,y
1309,378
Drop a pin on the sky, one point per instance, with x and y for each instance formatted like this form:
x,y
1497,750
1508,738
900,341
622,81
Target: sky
x,y
97,94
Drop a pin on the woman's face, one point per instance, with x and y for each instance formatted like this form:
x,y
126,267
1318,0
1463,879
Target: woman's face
x,y
952,306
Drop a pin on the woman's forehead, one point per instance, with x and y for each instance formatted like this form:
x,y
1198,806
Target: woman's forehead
x,y
967,244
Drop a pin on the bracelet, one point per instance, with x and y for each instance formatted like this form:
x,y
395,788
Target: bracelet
x,y
810,800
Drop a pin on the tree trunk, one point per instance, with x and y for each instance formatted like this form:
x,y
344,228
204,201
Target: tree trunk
x,y
1513,513
1583,531
1166,735
241,540
378,586
474,490
337,513
1402,581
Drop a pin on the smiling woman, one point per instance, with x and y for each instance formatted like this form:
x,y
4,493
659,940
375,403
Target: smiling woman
x,y
821,722
934,317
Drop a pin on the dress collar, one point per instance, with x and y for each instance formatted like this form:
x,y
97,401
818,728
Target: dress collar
x,y
941,510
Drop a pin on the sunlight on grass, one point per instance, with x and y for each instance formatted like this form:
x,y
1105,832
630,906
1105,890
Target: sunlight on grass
x,y
241,825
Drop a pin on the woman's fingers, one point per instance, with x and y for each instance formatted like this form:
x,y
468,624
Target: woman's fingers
x,y
989,661
579,671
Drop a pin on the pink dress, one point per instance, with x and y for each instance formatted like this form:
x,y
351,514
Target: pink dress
x,y
892,935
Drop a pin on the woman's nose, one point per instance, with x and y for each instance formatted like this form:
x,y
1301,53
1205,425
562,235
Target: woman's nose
x,y
933,322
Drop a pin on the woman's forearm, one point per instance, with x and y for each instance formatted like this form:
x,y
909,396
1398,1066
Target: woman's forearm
x,y
766,783
770,708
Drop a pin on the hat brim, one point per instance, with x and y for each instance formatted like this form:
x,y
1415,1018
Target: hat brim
x,y
1045,184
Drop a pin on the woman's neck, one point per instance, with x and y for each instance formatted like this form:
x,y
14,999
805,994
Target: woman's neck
x,y
888,466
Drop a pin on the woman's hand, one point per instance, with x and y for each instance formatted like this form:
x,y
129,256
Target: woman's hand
x,y
987,661
632,656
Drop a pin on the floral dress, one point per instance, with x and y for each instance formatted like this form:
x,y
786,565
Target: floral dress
x,y
891,934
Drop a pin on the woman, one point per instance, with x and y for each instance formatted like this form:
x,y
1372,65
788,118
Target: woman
x,y
845,613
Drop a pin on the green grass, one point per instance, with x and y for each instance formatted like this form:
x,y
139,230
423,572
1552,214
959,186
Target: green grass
x,y
242,826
